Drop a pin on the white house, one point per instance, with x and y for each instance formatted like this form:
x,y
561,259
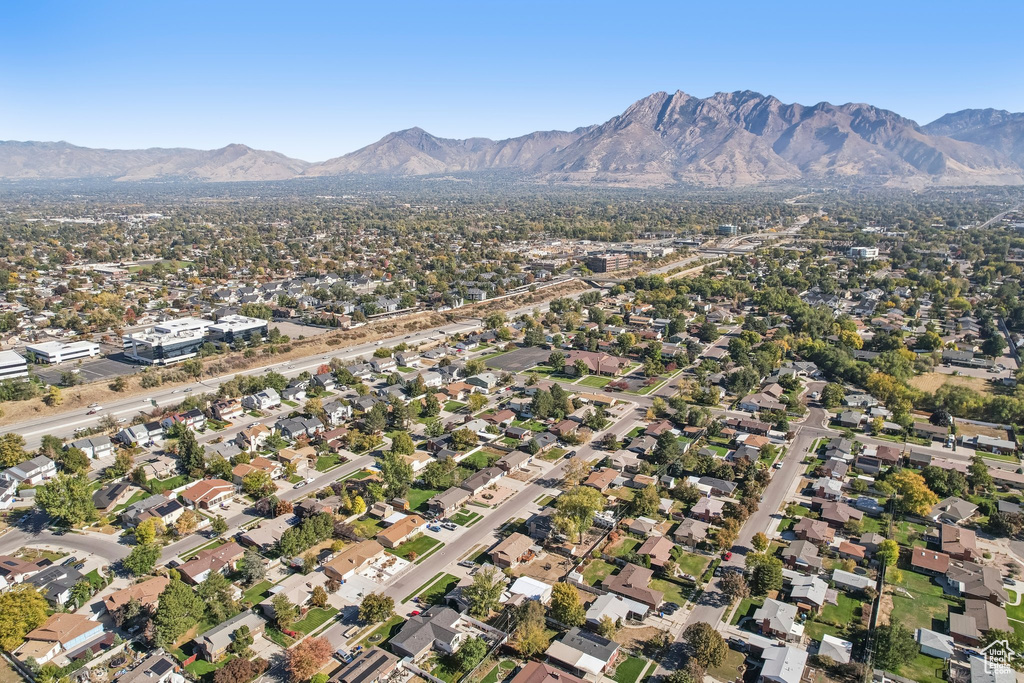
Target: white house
x,y
32,472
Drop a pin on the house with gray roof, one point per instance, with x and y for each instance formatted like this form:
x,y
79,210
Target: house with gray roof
x,y
435,628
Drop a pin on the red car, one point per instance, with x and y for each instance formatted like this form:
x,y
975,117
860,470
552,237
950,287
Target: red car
x,y
727,556
414,613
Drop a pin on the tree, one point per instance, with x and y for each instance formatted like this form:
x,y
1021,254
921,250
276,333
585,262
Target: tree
x,y
142,559
187,523
376,607
471,653
576,470
73,460
760,542
124,462
484,594
67,499
606,628
734,584
258,484
240,670
251,567
766,575
978,475
219,525
315,408
580,367
217,593
12,449
706,644
832,395
22,609
530,638
191,454
666,449
147,530
284,611
916,498
888,552
319,597
395,472
358,505
307,657
376,419
463,439
894,646
647,501
52,397
180,608
402,444
556,361
708,332
476,402
575,510
431,406
566,606
241,640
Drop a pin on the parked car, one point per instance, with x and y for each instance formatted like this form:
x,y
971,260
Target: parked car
x,y
344,656
433,527
300,484
450,526
727,556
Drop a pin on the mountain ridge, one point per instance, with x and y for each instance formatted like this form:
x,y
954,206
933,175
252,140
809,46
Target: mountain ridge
x,y
739,138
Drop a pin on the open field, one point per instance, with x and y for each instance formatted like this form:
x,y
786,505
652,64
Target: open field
x,y
930,381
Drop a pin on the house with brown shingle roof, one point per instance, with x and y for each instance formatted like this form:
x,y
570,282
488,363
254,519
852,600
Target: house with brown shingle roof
x,y
929,561
216,559
145,592
814,530
208,493
353,559
959,543
399,532
658,548
512,550
601,479
633,581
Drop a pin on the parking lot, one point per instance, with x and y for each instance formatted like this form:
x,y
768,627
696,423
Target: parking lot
x,y
520,359
91,370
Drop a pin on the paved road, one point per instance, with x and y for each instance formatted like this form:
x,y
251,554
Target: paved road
x,y
712,604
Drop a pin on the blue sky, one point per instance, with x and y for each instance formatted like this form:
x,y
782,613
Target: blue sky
x,y
316,80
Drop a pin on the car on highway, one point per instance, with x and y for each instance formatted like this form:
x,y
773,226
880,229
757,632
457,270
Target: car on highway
x,y
94,410
94,405
188,390
122,420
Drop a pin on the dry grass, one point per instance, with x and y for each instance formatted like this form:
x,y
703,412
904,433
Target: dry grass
x,y
322,344
930,381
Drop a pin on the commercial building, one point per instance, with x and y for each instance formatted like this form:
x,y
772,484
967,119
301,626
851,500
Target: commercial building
x,y
728,230
604,263
12,366
863,253
232,327
169,342
58,352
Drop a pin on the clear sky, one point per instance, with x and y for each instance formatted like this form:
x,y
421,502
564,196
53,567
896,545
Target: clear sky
x,y
316,80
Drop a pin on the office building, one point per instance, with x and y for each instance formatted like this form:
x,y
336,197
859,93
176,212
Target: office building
x,y
169,342
58,352
604,263
864,253
12,366
232,327
728,230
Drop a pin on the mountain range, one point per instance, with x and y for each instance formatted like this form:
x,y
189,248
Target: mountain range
x,y
728,140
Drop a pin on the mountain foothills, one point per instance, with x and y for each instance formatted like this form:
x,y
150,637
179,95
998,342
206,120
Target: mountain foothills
x,y
728,139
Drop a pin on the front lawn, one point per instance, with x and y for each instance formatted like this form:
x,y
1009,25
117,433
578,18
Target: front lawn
x,y
380,635
435,592
257,593
630,669
676,592
326,462
746,608
594,381
597,571
691,563
553,454
454,406
465,518
314,619
417,547
729,669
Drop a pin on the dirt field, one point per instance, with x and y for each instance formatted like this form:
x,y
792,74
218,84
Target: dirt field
x,y
633,637
331,342
930,381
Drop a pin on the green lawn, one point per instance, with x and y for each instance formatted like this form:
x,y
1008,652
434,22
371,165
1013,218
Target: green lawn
x,y
746,608
926,609
1015,611
816,629
692,564
871,525
202,669
420,545
553,454
314,619
729,669
208,546
532,425
846,612
904,530
500,670
594,381
479,460
786,524
596,571
383,633
136,497
629,669
159,486
368,526
544,501
625,546
923,669
435,592
257,593
454,406
326,462
95,580
675,592
465,518
418,498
